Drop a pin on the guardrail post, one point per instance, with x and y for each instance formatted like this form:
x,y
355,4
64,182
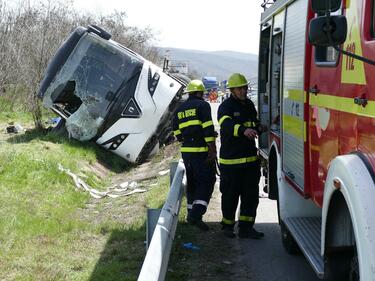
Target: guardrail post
x,y
153,214
172,171
152,220
155,265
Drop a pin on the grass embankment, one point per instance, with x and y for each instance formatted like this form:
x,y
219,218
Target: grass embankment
x,y
51,231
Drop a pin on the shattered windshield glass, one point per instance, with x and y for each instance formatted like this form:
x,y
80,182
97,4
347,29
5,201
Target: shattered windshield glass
x,y
88,83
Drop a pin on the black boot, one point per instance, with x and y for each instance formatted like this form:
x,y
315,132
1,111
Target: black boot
x,y
228,231
250,233
198,223
202,225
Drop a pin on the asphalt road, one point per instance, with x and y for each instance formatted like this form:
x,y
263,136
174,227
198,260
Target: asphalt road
x,y
266,259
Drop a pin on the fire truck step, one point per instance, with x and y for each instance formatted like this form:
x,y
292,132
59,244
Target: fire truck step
x,y
307,231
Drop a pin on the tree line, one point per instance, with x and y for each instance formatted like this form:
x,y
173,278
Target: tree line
x,y
30,34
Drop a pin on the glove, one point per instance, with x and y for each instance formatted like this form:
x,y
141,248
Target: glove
x,y
211,153
250,133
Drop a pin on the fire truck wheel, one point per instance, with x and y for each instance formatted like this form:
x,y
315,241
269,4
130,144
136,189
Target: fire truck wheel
x,y
288,241
354,269
341,266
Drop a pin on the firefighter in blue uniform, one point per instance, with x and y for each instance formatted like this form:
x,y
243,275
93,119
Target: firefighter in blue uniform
x,y
239,164
194,128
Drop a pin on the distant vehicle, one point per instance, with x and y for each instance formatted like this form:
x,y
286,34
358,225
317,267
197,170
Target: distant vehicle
x,y
107,93
210,83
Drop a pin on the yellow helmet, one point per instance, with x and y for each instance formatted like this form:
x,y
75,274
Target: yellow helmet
x,y
195,86
236,80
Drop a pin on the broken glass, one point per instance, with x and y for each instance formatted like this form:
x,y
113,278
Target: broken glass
x,y
81,125
89,82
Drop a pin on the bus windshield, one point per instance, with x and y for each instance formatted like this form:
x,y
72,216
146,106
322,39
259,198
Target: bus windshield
x,y
89,81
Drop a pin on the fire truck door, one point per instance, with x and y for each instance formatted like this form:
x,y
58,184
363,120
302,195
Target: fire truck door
x,y
263,89
325,135
293,95
275,75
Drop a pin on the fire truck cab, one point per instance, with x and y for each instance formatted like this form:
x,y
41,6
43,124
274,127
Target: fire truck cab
x,y
318,100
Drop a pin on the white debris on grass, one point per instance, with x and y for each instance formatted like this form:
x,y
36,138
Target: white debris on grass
x,y
162,173
112,192
124,184
19,128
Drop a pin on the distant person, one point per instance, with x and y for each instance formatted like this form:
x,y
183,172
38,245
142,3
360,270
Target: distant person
x,y
193,127
239,163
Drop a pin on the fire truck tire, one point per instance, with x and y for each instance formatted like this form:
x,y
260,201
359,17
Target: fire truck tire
x,y
354,269
273,189
288,241
337,267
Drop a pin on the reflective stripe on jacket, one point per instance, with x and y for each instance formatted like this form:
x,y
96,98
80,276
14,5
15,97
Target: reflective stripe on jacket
x,y
234,117
193,126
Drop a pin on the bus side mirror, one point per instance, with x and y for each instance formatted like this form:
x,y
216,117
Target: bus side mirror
x,y
319,29
320,6
99,31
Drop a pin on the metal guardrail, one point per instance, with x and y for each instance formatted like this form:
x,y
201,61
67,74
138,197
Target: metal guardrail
x,y
155,265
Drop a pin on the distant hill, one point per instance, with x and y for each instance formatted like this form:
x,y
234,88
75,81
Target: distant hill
x,y
219,63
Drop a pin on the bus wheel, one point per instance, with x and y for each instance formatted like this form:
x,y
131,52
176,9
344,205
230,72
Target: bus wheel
x,y
289,244
354,269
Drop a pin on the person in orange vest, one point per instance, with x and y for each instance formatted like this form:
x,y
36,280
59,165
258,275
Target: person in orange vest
x,y
215,96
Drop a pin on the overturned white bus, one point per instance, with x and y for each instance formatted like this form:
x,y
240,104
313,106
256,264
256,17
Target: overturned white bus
x,y
107,93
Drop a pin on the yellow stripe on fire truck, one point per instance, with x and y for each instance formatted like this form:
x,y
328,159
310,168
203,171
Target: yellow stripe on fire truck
x,y
294,126
293,123
352,70
343,104
295,95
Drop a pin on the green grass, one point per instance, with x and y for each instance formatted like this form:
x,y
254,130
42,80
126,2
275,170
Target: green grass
x,y
11,108
49,230
14,108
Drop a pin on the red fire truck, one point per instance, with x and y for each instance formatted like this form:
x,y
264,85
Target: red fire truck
x,y
316,92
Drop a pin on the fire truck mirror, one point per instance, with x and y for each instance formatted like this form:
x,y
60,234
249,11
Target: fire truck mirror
x,y
319,6
320,31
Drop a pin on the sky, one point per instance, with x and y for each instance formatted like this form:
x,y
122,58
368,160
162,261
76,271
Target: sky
x,y
208,25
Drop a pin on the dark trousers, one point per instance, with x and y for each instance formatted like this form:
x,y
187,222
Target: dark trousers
x,y
200,185
240,183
